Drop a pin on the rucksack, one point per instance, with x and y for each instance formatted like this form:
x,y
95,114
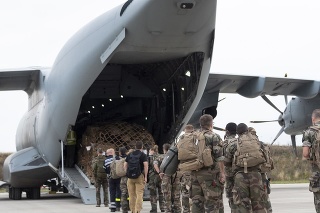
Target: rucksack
x,y
169,164
113,168
316,146
134,168
193,152
268,165
120,171
249,152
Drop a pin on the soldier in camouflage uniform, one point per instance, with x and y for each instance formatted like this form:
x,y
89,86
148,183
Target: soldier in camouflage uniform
x,y
123,185
208,182
230,137
310,145
170,185
101,179
264,175
185,187
186,181
248,191
154,183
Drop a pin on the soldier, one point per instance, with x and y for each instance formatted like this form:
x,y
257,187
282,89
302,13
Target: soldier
x,y
170,185
230,137
185,194
101,179
154,183
207,183
311,152
265,168
186,181
248,190
123,185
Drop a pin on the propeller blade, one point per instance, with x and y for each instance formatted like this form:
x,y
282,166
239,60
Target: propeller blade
x,y
257,122
218,128
279,133
270,103
286,99
222,99
294,145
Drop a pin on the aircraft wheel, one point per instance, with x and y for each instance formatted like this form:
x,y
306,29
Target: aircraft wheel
x,y
28,194
10,193
35,193
16,193
65,190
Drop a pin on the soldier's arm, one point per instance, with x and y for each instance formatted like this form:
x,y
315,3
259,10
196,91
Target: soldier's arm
x,y
217,151
229,153
306,144
145,166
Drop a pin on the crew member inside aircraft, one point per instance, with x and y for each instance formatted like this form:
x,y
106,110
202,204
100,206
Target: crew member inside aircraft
x,y
70,148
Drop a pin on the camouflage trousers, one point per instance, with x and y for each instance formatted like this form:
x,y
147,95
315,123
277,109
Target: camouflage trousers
x,y
228,187
248,193
154,186
124,194
170,187
314,187
185,187
102,182
206,192
266,184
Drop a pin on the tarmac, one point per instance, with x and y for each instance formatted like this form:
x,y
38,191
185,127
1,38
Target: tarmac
x,y
285,198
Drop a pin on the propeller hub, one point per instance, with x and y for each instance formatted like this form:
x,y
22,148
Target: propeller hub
x,y
281,120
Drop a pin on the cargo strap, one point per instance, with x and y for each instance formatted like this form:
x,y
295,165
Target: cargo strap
x,y
245,163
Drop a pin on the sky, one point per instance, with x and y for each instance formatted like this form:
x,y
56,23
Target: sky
x,y
265,38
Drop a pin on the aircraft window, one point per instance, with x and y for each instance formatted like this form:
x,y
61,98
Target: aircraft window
x,y
124,7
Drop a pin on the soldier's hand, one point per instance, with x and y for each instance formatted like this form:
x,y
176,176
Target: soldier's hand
x,y
161,175
222,178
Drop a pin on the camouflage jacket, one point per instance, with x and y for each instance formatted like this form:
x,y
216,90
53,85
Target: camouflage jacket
x,y
229,140
158,160
229,153
98,167
215,143
309,140
151,159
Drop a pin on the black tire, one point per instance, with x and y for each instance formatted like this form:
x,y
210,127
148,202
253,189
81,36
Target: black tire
x,y
17,192
35,193
10,193
65,190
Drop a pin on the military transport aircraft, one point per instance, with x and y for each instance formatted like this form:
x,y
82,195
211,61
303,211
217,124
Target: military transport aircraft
x,y
145,62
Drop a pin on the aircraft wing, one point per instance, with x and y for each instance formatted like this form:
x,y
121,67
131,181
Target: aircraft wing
x,y
18,79
253,86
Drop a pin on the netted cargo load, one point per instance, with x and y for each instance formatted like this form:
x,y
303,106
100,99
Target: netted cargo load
x,y
110,135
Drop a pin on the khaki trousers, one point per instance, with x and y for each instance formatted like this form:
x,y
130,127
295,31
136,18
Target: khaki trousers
x,y
135,190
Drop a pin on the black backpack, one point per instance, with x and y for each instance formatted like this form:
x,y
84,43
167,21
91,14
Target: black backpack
x,y
134,167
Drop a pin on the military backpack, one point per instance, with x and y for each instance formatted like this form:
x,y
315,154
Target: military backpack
x,y
249,152
117,168
193,152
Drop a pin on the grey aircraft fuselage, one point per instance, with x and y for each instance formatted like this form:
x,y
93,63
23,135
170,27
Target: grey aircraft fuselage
x,y
126,58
